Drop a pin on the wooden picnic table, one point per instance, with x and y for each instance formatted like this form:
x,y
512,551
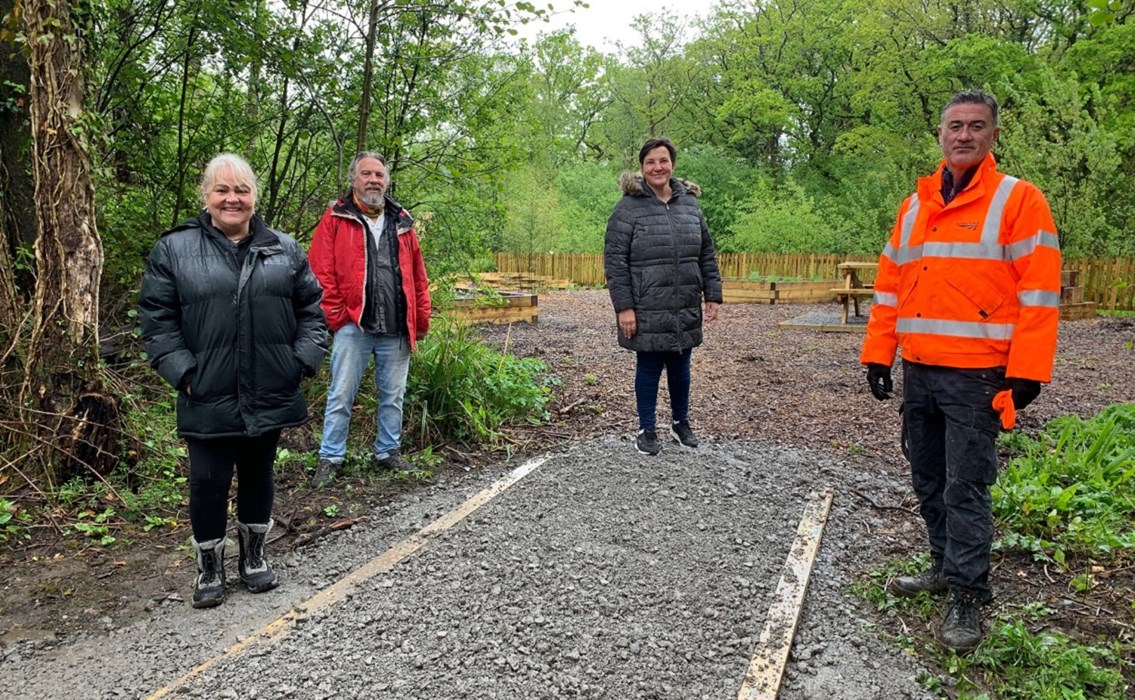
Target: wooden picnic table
x,y
853,288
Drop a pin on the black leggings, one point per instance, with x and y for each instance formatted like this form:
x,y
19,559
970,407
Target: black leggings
x,y
211,473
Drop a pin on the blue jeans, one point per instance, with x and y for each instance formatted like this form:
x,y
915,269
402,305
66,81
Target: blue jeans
x,y
647,376
350,355
951,433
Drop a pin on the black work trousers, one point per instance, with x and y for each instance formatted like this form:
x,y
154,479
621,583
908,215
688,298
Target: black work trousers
x,y
950,429
211,463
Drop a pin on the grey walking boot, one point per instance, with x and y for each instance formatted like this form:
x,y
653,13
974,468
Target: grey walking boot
x,y
325,472
961,629
933,581
254,569
209,587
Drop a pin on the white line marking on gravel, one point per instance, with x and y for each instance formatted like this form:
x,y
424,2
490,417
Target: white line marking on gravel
x,y
342,588
762,681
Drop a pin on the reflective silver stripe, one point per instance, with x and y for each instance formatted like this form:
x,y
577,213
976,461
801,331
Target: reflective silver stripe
x,y
908,221
956,329
974,251
991,231
1020,249
891,253
886,298
1037,297
903,255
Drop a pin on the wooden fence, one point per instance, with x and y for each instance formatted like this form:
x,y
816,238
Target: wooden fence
x,y
1110,282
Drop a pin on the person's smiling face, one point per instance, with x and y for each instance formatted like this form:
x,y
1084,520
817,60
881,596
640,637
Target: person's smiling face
x,y
657,167
230,203
967,134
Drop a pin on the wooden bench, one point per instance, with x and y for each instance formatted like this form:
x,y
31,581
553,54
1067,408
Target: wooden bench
x,y
849,297
853,288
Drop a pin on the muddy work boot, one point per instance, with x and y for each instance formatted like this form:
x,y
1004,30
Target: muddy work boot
x,y
209,588
254,569
325,472
933,581
961,630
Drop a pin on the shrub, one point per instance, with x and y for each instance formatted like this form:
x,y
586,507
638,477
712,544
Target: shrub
x,y
461,389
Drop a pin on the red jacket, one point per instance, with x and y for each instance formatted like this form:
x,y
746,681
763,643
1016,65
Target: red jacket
x,y
338,258
970,284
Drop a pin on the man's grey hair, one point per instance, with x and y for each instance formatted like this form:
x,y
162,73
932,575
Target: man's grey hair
x,y
240,169
354,169
974,97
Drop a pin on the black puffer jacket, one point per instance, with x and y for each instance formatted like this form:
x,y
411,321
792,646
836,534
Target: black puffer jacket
x,y
660,261
240,337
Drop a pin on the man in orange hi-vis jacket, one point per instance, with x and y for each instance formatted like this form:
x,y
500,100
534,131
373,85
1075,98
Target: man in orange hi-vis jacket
x,y
969,286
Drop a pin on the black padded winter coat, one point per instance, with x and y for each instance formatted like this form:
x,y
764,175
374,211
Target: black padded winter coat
x,y
660,261
239,336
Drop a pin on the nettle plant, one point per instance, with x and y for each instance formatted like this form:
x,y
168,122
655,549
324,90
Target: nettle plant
x,y
1071,490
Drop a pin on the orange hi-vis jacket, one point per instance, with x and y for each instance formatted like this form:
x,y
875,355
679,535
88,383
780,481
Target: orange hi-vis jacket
x,y
970,284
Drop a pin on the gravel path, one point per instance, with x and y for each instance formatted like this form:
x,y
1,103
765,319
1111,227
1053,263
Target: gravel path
x,y
602,574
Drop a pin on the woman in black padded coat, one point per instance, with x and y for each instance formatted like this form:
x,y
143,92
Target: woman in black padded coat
x,y
231,318
660,266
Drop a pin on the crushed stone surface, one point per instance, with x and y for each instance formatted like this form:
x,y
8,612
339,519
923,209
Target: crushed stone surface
x,y
602,574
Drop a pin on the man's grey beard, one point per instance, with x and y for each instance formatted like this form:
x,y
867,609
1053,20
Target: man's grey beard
x,y
373,200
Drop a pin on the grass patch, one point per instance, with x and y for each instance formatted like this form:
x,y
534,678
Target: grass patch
x,y
1018,664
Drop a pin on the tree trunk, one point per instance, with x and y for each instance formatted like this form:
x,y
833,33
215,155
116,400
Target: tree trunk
x,y
368,78
76,421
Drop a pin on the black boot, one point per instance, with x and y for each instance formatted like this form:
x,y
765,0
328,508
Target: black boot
x,y
933,581
254,569
961,630
209,589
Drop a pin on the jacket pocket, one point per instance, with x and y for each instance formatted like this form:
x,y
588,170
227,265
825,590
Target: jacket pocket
x,y
983,298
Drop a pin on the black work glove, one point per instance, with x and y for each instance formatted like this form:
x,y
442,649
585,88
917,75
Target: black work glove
x,y
879,379
1025,391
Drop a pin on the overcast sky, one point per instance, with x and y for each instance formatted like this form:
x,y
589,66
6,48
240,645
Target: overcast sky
x,y
608,21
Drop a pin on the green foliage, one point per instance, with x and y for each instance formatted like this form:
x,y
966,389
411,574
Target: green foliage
x,y
158,482
1072,489
1022,665
460,389
1012,661
873,588
95,525
13,521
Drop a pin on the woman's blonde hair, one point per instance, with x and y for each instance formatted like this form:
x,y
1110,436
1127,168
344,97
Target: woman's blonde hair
x,y
240,168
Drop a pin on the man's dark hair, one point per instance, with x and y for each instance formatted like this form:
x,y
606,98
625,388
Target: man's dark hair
x,y
354,169
652,144
975,97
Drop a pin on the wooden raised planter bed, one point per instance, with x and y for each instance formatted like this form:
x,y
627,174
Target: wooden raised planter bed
x,y
515,307
738,291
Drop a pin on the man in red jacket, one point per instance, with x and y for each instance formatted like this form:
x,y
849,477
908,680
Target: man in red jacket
x,y
969,286
377,301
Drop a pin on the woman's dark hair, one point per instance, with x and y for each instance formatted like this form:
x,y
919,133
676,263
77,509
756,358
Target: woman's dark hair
x,y
652,144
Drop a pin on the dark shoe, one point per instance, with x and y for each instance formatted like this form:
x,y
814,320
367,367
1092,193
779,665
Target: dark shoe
x,y
933,581
209,587
961,630
254,569
395,463
647,442
683,435
325,472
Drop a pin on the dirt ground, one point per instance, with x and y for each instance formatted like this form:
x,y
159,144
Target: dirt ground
x,y
752,380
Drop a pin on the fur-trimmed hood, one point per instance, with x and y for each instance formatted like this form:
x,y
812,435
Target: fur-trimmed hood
x,y
631,183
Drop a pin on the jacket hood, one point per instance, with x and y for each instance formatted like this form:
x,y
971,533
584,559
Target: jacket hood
x,y
631,183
